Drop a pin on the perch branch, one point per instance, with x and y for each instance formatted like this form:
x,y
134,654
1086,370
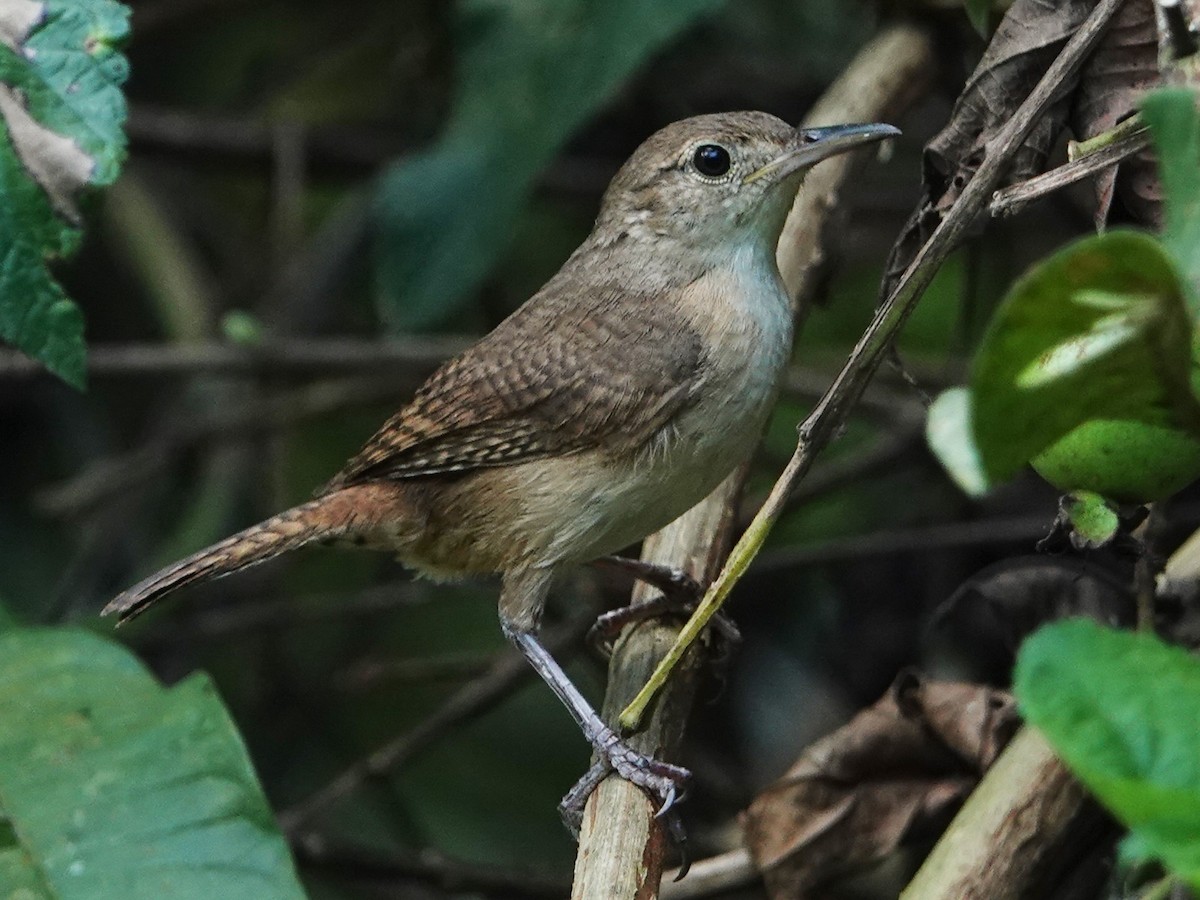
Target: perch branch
x,y
999,844
621,847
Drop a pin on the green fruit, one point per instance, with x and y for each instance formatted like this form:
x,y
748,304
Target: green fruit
x,y
1124,460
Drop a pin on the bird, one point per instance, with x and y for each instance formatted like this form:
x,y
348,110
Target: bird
x,y
608,404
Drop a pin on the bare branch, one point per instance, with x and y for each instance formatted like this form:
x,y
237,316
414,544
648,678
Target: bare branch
x,y
281,357
1012,199
1013,822
715,875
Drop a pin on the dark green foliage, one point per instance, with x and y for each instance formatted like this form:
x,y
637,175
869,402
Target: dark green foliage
x,y
529,75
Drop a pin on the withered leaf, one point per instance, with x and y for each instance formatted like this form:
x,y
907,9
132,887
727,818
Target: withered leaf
x,y
1029,37
1122,68
895,773
998,607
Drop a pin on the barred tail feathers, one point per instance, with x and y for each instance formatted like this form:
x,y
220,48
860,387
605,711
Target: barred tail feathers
x,y
330,516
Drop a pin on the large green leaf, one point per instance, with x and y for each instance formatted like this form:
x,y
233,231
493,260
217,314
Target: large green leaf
x,y
62,112
1099,330
1123,711
1175,124
530,73
113,787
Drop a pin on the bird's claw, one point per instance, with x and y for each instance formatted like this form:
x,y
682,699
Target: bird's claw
x,y
667,803
662,781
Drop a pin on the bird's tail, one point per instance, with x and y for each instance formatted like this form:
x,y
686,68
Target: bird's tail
x,y
330,516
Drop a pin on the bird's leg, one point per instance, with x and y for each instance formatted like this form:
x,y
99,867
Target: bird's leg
x,y
661,780
520,605
680,594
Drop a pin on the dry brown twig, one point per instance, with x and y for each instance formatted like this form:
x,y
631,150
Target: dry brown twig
x,y
621,848
278,357
1014,198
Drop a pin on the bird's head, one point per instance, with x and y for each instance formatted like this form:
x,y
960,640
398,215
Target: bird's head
x,y
720,177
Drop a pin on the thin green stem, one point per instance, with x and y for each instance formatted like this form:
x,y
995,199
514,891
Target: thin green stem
x,y
823,423
1131,126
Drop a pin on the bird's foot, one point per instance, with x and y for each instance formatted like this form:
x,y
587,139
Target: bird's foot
x,y
665,783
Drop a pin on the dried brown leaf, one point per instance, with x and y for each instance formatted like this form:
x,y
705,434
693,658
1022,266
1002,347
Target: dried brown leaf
x,y
1029,37
896,772
999,606
1122,68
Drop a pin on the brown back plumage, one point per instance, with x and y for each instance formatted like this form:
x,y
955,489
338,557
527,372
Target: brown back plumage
x,y
566,372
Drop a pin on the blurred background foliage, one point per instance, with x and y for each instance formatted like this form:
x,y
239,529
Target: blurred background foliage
x,y
314,171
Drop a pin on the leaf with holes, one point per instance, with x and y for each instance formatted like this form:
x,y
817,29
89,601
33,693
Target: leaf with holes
x,y
62,112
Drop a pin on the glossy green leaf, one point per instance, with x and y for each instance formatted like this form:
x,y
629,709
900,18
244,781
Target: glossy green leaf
x,y
1123,460
1123,711
1098,330
62,112
531,72
1175,124
950,436
112,786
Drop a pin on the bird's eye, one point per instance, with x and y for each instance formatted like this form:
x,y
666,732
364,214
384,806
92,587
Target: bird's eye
x,y
711,160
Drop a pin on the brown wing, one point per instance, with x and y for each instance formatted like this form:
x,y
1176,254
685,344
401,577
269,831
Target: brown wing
x,y
547,381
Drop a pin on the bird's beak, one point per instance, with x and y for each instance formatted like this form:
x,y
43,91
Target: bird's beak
x,y
815,144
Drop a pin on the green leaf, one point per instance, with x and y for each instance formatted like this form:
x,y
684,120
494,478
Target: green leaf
x,y
62,111
531,72
1123,711
113,787
950,436
1175,125
980,14
1098,330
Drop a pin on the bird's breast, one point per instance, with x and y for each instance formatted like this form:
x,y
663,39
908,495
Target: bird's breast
x,y
744,318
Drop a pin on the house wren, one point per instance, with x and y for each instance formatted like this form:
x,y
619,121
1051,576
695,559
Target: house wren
x,y
607,405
